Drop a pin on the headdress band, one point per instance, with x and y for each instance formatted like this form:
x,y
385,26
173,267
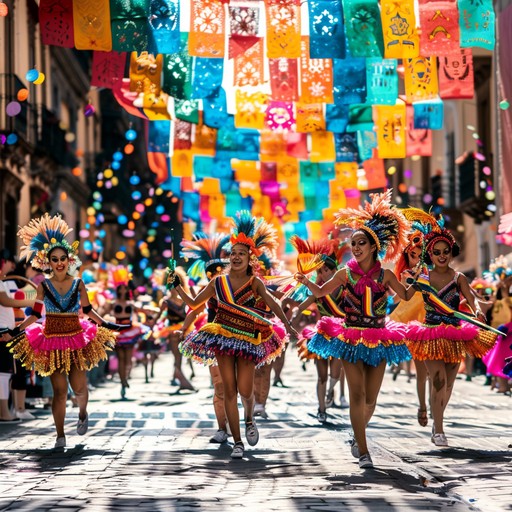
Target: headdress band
x,y
372,233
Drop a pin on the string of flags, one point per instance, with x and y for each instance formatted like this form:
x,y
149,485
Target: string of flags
x,y
285,106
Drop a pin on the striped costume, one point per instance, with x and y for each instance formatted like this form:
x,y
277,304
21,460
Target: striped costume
x,y
239,328
364,333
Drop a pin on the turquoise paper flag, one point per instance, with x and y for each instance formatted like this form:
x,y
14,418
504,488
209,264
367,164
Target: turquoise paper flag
x,y
428,115
207,77
233,201
247,144
326,30
349,81
366,142
360,118
336,118
191,206
203,167
164,26
477,20
381,81
215,110
159,135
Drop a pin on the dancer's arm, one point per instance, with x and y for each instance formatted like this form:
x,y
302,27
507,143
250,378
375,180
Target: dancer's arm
x,y
302,306
193,302
337,280
405,293
274,305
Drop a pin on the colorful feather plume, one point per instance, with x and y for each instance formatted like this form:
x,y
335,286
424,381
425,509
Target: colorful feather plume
x,y
40,236
207,251
256,233
384,223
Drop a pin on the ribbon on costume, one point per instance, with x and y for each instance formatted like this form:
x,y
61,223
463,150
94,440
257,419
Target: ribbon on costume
x,y
423,285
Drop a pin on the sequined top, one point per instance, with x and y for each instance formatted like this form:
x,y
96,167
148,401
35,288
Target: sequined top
x,y
449,294
56,303
366,311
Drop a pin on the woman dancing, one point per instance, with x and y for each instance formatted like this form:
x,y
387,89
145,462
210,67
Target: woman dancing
x,y
240,337
364,340
64,346
443,340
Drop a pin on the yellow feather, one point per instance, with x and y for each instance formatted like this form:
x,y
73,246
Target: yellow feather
x,y
418,215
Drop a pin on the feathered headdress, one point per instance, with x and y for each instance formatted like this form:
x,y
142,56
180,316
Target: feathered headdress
x,y
206,251
433,229
383,222
256,233
44,234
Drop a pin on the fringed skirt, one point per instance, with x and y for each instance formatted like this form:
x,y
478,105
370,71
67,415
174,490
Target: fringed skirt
x,y
203,345
367,344
448,343
84,347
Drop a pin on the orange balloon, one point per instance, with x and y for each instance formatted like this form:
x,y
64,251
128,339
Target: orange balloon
x,y
76,171
402,188
22,94
128,149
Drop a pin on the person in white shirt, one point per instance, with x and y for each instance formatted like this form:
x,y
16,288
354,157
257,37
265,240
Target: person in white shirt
x,y
7,303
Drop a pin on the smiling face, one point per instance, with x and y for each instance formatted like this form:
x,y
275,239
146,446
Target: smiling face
x,y
59,261
361,247
441,254
239,257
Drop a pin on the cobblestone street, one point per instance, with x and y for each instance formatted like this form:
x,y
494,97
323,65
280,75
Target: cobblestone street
x,y
152,452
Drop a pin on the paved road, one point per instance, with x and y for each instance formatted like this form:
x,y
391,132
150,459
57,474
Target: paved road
x,y
151,452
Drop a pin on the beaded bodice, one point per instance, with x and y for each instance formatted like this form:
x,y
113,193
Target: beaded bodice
x,y
449,294
368,310
56,303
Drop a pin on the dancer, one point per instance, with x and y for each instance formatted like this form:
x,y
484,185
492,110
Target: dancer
x,y
173,308
443,340
209,254
149,345
326,306
239,337
405,312
364,339
123,309
63,346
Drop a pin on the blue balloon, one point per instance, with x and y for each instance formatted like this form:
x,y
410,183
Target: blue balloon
x,y
160,209
148,272
122,219
32,74
134,180
136,195
118,156
115,165
130,134
102,233
87,245
12,138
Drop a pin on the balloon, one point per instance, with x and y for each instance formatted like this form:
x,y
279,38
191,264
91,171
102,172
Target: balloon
x,y
13,108
32,75
89,110
40,79
22,94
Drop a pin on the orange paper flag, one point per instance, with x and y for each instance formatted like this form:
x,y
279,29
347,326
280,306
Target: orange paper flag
x,y
207,28
91,25
283,28
390,121
420,77
316,77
